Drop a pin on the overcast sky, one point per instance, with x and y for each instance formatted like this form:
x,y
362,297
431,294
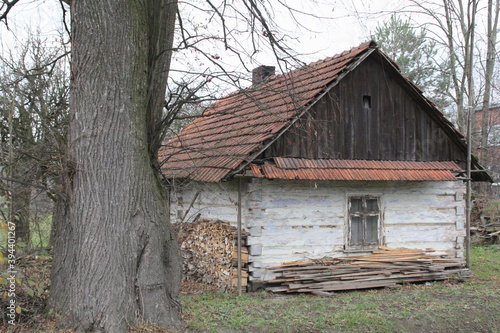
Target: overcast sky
x,y
339,25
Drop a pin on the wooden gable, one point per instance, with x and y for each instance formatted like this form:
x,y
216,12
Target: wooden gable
x,y
371,114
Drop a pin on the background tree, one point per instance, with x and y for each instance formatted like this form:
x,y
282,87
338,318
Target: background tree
x,y
34,88
452,24
467,30
416,55
491,58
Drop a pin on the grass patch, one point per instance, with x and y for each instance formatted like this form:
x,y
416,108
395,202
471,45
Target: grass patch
x,y
439,307
472,306
485,262
40,229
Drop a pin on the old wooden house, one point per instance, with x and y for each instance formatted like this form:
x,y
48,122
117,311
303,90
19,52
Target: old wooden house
x,y
332,159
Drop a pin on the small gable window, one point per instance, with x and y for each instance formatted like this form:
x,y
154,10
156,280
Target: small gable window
x,y
367,102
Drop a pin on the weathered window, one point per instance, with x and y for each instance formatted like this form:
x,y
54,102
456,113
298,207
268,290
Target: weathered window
x,y
364,221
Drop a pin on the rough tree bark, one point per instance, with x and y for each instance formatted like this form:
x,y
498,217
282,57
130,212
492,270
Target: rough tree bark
x,y
115,257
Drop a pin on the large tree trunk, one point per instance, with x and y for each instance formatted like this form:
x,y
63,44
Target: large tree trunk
x,y
115,257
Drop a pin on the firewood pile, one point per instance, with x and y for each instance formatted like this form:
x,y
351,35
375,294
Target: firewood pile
x,y
209,253
386,267
488,232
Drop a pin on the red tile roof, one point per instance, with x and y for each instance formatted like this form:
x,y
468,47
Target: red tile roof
x,y
238,126
236,129
307,169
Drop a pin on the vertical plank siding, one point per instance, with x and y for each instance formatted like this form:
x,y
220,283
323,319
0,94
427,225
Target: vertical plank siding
x,y
396,127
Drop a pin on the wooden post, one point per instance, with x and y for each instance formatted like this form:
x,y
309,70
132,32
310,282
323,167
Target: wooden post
x,y
238,240
468,202
469,136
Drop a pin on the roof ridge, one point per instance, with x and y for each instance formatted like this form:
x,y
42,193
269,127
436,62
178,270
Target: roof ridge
x,y
364,45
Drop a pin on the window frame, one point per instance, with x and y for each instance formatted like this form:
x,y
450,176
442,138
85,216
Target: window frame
x,y
364,213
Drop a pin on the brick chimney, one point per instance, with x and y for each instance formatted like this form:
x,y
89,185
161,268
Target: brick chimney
x,y
261,73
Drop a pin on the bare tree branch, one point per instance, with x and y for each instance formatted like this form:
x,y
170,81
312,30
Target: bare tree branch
x,y
36,185
5,9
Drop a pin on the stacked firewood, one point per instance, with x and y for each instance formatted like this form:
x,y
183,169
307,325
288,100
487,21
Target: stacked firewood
x,y
383,268
209,253
488,233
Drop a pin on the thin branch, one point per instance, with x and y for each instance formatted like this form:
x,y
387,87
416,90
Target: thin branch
x,y
64,10
6,7
43,187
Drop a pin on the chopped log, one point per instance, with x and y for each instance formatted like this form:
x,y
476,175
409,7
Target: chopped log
x,y
209,253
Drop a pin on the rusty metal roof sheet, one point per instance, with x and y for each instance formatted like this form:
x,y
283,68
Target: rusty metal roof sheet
x,y
235,127
363,170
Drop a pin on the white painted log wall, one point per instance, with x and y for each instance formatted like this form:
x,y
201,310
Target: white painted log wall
x,y
302,220
216,201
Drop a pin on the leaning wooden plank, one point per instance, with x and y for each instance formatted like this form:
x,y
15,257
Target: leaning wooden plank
x,y
302,268
312,270
319,285
398,257
396,253
341,278
422,278
304,263
402,277
408,278
300,278
398,262
277,289
399,252
321,269
350,286
291,264
382,266
388,248
332,272
281,281
394,265
322,293
448,260
395,249
435,268
377,278
372,273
